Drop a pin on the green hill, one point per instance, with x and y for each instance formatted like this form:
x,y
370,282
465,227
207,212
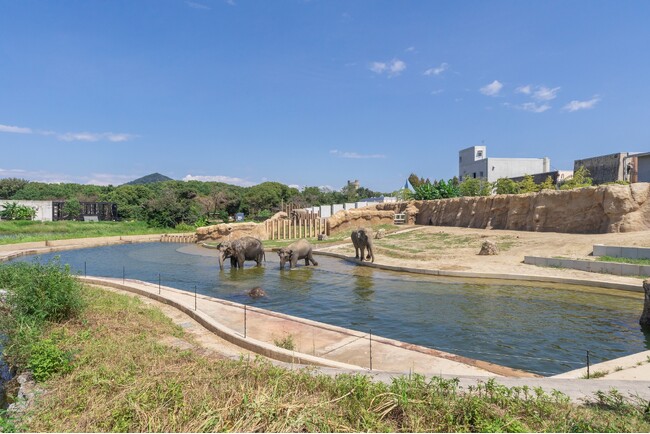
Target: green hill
x,y
154,177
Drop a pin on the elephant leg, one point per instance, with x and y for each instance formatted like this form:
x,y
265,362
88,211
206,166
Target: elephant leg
x,y
233,262
363,251
294,261
311,258
306,260
241,259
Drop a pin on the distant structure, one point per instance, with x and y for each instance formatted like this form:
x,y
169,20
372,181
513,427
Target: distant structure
x,y
473,162
622,166
354,184
47,210
380,199
557,176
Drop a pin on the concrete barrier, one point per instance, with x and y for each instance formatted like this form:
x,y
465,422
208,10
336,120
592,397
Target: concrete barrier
x,y
616,268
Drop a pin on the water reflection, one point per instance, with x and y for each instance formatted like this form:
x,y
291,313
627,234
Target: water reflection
x,y
546,330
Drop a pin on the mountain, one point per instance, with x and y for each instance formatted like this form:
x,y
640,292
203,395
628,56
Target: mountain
x,y
154,177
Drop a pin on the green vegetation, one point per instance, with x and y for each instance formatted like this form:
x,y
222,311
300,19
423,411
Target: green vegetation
x,y
169,203
624,260
27,231
14,211
38,295
285,342
580,179
124,377
110,367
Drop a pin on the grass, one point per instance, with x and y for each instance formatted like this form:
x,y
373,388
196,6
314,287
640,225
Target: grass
x,y
624,260
422,245
125,378
12,232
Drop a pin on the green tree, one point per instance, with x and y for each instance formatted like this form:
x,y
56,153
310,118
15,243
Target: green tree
x,y
416,181
527,185
475,187
580,179
547,184
506,186
171,208
72,209
10,186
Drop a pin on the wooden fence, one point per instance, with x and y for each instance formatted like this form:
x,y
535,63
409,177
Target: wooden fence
x,y
283,229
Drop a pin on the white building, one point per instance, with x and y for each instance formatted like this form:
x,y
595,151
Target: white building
x,y
474,163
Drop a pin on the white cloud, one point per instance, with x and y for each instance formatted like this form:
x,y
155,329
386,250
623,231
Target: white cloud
x,y
533,107
545,94
438,70
109,179
14,129
219,178
410,49
378,67
492,89
70,137
526,90
342,154
437,91
195,5
393,68
581,105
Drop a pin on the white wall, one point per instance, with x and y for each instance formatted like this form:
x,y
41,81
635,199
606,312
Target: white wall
x,y
512,167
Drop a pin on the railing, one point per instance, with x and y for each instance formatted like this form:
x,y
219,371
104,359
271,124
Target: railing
x,y
399,219
284,229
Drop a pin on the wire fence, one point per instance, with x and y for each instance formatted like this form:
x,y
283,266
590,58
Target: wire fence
x,y
240,323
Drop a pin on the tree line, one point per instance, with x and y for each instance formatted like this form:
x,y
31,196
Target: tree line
x,y
170,203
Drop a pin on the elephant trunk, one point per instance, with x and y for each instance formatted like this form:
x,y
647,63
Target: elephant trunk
x,y
221,259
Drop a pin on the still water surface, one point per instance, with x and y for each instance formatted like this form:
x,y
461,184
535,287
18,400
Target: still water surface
x,y
538,329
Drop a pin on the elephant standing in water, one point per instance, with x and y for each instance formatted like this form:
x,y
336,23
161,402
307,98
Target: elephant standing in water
x,y
293,252
240,250
362,240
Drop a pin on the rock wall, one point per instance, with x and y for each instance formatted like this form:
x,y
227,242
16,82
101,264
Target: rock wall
x,y
230,231
358,217
611,208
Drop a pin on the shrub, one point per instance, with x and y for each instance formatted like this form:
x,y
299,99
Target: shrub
x,y
506,186
547,184
43,292
580,179
527,185
47,359
14,211
475,187
72,209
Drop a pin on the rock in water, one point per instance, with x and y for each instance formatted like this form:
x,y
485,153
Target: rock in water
x,y
489,248
256,292
645,316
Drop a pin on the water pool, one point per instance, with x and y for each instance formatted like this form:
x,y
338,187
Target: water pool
x,y
545,330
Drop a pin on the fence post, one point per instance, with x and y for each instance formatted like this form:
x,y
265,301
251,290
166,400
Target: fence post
x,y
370,339
123,274
194,297
85,275
587,364
158,283
244,321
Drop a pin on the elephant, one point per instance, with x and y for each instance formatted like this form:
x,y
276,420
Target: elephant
x,y
298,214
293,252
240,250
362,240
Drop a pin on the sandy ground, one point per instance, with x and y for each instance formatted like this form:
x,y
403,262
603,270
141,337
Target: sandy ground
x,y
458,251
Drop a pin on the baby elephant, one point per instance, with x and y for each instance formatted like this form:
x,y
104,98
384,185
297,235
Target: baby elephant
x,y
299,250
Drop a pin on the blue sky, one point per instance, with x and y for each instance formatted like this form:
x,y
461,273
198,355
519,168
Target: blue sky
x,y
315,93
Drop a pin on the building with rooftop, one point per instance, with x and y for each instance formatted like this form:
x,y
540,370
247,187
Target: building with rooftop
x,y
473,162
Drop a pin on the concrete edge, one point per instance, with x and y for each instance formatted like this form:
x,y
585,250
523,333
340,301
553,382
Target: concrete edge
x,y
495,276
224,332
615,268
609,366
